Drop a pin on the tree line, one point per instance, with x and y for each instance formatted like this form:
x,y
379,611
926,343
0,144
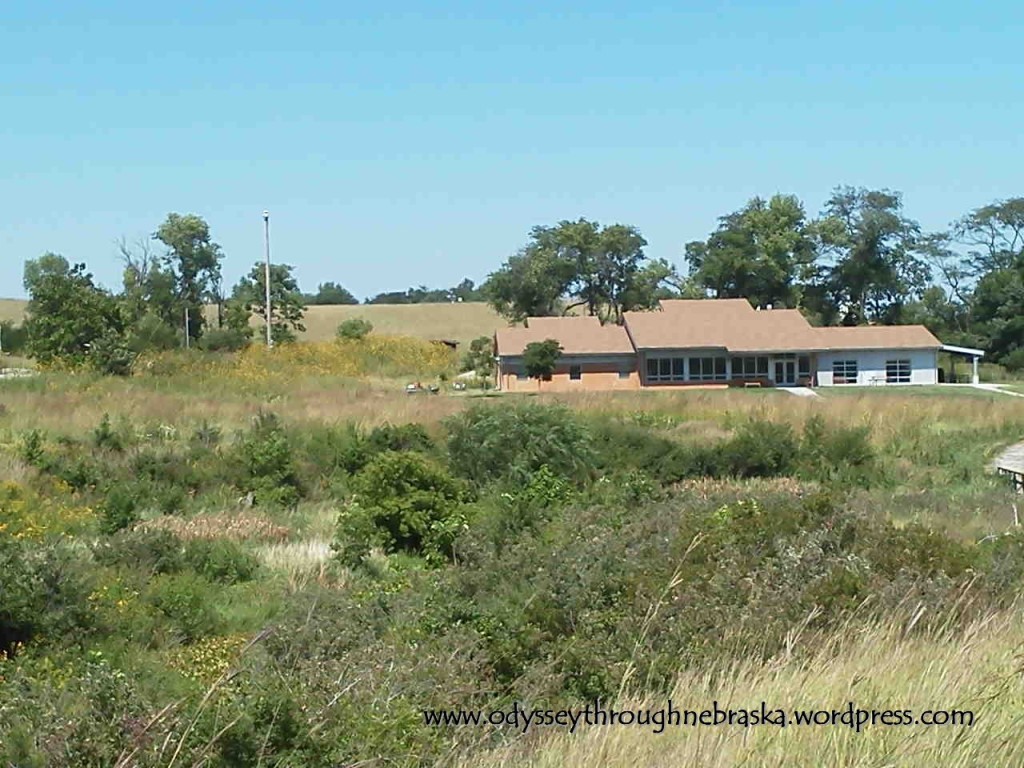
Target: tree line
x,y
861,260
168,282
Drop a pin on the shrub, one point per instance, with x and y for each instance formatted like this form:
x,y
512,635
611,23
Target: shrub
x,y
403,437
120,508
221,560
146,551
223,340
152,333
111,355
354,329
759,449
837,452
43,591
13,337
105,436
184,600
488,443
268,464
402,502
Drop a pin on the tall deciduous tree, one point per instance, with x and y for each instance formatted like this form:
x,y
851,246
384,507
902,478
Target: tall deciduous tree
x,y
68,314
762,252
531,283
575,264
994,234
287,308
875,270
193,260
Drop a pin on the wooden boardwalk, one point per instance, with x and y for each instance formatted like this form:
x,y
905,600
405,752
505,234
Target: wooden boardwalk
x,y
1011,463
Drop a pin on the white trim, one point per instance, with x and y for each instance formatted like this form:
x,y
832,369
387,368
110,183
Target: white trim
x,y
963,350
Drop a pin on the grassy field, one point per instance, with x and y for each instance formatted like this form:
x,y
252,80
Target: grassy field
x,y
202,617
12,309
456,322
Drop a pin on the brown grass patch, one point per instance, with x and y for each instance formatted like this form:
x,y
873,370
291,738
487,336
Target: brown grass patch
x,y
236,526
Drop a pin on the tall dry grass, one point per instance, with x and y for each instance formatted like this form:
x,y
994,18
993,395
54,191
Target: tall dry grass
x,y
980,670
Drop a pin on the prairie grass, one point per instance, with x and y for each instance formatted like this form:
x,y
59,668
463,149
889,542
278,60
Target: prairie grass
x,y
879,668
300,563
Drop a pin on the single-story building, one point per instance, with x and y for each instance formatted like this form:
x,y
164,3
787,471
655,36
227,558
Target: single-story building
x,y
720,343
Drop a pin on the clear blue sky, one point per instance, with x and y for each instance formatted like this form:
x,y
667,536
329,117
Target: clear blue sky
x,y
399,143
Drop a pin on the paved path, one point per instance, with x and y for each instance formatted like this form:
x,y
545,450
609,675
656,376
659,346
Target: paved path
x,y
995,388
800,391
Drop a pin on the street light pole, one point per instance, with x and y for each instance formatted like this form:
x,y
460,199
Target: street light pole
x,y
266,276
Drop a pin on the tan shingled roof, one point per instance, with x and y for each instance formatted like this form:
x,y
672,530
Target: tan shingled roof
x,y
727,324
577,335
875,337
731,324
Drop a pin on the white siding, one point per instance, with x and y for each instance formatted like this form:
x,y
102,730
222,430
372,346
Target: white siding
x,y
871,365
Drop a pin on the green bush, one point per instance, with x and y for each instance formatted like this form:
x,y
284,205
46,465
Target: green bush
x,y
401,437
759,449
151,333
837,453
185,601
119,509
12,337
402,502
223,340
221,561
147,552
354,328
268,463
43,592
511,442
111,355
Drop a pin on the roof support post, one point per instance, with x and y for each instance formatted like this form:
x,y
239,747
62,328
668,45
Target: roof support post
x,y
974,373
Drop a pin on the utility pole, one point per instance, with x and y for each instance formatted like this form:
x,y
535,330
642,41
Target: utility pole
x,y
266,276
186,324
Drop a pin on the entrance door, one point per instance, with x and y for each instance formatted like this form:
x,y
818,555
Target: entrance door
x,y
785,373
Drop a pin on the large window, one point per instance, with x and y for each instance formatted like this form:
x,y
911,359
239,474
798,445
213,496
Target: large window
x,y
707,369
804,366
897,371
666,369
749,367
844,372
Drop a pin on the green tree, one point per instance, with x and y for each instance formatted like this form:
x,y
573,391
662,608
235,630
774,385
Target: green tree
x,y
480,357
193,260
67,312
875,270
994,234
762,252
540,358
331,293
600,268
530,284
287,308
